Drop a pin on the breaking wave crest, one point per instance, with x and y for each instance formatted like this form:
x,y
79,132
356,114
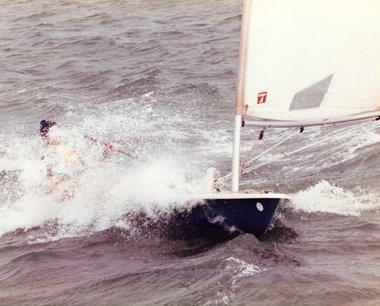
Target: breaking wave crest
x,y
145,174
326,198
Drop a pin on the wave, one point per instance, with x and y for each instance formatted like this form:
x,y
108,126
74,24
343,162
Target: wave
x,y
153,176
102,197
327,198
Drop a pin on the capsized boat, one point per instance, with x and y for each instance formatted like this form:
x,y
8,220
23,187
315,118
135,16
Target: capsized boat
x,y
302,63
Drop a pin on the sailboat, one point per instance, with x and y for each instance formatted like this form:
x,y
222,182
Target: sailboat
x,y
302,63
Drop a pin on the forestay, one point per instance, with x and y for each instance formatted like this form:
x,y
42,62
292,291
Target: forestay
x,y
309,62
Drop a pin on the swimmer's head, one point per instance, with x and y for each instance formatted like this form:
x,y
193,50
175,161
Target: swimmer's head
x,y
45,126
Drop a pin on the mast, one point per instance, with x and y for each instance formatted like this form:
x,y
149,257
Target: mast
x,y
239,100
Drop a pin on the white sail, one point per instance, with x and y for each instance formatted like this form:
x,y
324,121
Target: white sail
x,y
311,62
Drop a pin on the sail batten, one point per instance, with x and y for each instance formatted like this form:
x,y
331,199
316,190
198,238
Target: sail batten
x,y
312,62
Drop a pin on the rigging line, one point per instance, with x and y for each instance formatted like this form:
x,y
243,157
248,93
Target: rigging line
x,y
261,138
293,152
270,149
281,151
333,135
256,157
257,143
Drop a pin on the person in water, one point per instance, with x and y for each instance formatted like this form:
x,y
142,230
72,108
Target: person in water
x,y
54,140
63,163
45,126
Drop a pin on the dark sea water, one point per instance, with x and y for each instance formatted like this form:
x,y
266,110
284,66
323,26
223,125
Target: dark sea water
x,y
157,77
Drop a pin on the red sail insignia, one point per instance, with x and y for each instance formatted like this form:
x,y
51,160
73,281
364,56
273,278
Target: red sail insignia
x,y
262,97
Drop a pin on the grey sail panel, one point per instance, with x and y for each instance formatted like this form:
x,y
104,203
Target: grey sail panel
x,y
312,96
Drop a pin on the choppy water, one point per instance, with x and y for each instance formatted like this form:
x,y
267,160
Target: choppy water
x,y
158,77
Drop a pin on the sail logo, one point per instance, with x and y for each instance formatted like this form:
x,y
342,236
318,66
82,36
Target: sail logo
x,y
262,97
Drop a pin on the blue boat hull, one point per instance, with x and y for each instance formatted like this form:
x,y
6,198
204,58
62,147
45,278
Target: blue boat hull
x,y
243,215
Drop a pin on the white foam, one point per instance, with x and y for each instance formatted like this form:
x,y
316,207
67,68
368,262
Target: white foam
x,y
104,190
328,198
101,198
240,268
